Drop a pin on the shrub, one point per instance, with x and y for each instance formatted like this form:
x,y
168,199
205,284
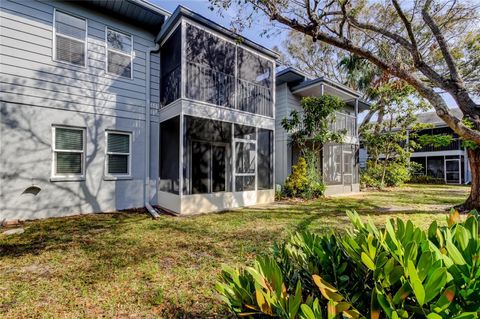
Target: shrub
x,y
400,271
297,181
304,181
425,179
395,174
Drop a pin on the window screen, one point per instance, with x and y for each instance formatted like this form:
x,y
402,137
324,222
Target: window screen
x,y
68,149
265,159
170,69
70,38
119,53
245,157
206,156
255,83
332,164
210,68
118,153
169,155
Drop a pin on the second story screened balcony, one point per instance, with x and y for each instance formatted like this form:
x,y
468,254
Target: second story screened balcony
x,y
344,122
217,71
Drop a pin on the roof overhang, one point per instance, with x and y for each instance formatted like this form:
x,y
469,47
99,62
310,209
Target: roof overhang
x,y
321,85
181,11
290,75
141,12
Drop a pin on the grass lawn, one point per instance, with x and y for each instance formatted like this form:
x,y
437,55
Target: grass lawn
x,y
128,265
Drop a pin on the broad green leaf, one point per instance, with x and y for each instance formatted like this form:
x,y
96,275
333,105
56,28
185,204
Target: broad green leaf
x,y
327,290
455,254
306,312
433,315
445,299
467,315
416,284
435,283
367,261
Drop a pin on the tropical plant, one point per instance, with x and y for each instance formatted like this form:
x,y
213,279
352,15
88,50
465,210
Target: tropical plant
x,y
304,181
401,271
379,175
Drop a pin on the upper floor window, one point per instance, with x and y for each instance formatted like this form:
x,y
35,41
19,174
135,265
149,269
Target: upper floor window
x,y
119,53
118,157
70,38
68,152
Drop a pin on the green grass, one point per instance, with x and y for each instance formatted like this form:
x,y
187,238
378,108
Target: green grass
x,y
128,265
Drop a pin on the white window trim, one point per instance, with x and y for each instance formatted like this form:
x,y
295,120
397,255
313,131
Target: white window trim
x,y
54,39
108,176
67,177
132,51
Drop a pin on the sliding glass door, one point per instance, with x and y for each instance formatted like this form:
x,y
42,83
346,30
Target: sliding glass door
x,y
208,167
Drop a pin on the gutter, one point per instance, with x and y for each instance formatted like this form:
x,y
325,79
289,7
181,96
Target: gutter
x,y
146,189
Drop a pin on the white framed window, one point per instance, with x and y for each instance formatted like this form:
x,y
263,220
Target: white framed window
x,y
119,57
118,159
68,148
69,38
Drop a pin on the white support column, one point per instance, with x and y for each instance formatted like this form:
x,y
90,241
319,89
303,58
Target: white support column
x,y
444,169
235,84
356,118
180,155
233,157
183,62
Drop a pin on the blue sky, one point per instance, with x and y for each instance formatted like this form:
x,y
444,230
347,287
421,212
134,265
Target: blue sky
x,y
252,33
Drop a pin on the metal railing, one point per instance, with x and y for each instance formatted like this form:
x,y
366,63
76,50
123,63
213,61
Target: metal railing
x,y
455,145
254,98
170,86
208,85
344,122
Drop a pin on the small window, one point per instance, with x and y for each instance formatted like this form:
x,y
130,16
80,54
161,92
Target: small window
x,y
68,152
119,53
118,154
70,38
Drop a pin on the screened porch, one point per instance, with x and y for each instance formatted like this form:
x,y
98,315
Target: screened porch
x,y
213,165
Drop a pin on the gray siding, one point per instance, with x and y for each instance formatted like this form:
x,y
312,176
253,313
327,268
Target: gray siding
x,y
30,76
285,103
38,92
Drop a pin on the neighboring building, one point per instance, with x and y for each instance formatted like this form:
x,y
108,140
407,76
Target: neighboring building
x,y
449,163
109,105
339,161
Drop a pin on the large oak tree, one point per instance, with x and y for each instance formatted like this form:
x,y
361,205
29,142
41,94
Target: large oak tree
x,y
433,45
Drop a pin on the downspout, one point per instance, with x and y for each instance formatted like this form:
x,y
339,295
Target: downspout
x,y
146,190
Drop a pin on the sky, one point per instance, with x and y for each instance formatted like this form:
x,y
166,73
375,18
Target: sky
x,y
252,33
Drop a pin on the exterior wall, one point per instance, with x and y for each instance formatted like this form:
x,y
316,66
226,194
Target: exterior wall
x,y
285,103
340,189
214,202
38,92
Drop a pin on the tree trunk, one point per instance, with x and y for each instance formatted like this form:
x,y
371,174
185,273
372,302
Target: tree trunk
x,y
473,201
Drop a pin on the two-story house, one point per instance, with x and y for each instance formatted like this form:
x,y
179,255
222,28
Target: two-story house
x,y
339,161
448,163
109,105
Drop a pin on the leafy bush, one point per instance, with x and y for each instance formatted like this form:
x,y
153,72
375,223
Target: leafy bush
x,y
380,176
303,182
425,179
400,271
